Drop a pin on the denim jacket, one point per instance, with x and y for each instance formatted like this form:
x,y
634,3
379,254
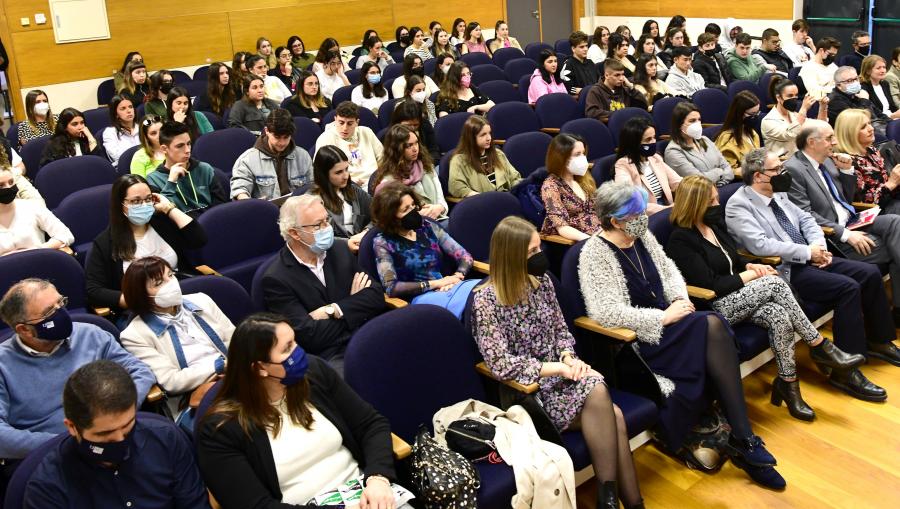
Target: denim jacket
x,y
254,173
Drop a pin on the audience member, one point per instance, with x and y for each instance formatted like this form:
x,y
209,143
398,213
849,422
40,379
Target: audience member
x,y
599,48
401,39
161,83
283,70
26,223
26,190
523,336
893,76
406,160
782,123
625,32
861,43
568,189
375,53
710,64
221,93
370,93
442,45
308,100
458,32
618,52
716,31
614,93
873,74
123,132
442,68
692,153
358,142
45,349
251,111
478,166
71,138
239,71
113,455
818,72
413,66
141,223
417,45
742,64
638,164
545,79
150,155
413,115
316,282
179,109
675,38
416,92
459,94
324,57
730,32
39,120
182,338
706,254
771,52
802,47
651,27
502,38
874,183
134,85
647,46
647,82
578,71
653,302
680,22
848,93
764,221
682,79
119,76
348,204
186,182
473,40
274,166
275,90
331,75
738,134
300,58
284,428
264,50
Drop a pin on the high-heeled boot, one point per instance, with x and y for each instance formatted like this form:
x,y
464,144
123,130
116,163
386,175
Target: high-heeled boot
x,y
608,497
789,392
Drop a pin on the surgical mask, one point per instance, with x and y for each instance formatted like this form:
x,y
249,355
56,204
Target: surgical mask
x,y
445,68
637,227
465,81
412,220
106,452
419,97
781,183
713,215
8,194
828,60
322,240
295,367
373,79
538,264
792,104
578,165
694,130
853,88
648,149
168,295
55,327
140,214
41,108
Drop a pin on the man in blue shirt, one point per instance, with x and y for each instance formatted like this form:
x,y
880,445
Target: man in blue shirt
x,y
35,363
114,456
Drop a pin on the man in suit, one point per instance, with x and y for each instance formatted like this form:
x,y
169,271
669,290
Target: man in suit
x,y
316,282
824,184
761,217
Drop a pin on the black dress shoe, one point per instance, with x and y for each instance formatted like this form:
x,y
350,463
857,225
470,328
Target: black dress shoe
x,y
887,352
828,355
856,384
789,392
751,450
765,476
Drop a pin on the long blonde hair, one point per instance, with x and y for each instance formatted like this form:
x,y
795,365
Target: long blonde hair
x,y
691,201
509,260
847,127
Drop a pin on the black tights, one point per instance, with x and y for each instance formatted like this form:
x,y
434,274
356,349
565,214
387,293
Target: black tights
x,y
603,427
723,369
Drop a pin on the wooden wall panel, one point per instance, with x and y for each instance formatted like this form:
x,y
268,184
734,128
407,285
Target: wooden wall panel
x,y
413,12
663,10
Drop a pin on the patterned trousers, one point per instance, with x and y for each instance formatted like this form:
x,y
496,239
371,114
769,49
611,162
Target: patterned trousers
x,y
769,303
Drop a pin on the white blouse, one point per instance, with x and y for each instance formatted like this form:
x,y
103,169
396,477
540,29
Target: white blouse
x,y
372,103
329,84
116,142
152,245
31,220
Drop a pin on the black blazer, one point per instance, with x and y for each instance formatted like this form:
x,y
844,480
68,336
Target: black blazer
x,y
870,89
704,66
292,290
839,101
59,147
103,275
239,470
703,263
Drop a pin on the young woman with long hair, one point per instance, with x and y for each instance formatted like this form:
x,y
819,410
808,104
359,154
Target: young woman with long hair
x,y
70,138
134,83
568,190
179,109
478,166
458,93
308,100
473,41
39,119
370,93
150,155
738,134
221,92
347,203
122,133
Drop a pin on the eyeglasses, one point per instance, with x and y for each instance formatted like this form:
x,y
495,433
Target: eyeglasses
x,y
61,303
317,226
848,80
778,169
139,201
150,120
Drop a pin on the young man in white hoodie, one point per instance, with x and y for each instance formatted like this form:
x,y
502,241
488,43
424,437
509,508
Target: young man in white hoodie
x,y
359,142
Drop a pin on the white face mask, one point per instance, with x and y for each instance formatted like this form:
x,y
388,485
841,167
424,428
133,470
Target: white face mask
x,y
445,69
419,97
694,130
578,166
168,295
41,108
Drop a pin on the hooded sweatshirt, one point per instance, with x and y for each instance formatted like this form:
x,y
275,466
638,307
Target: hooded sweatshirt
x,y
195,192
363,150
744,68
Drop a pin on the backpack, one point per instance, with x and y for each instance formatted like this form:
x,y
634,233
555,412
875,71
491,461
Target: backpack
x,y
528,191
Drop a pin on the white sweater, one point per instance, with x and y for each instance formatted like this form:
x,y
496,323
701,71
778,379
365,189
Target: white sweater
x,y
363,149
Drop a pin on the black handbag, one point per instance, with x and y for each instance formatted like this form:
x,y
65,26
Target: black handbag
x,y
473,438
441,478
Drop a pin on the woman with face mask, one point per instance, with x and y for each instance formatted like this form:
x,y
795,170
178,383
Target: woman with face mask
x,y
567,190
39,120
161,83
702,248
285,429
522,335
141,224
738,134
413,65
638,164
348,204
459,94
25,223
691,153
71,138
417,91
370,93
410,252
783,123
182,338
627,281
444,61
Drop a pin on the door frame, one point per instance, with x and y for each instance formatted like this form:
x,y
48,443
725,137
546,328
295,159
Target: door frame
x,y
577,14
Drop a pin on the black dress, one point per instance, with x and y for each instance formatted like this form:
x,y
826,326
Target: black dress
x,y
477,99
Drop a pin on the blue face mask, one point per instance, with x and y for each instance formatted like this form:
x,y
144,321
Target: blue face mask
x,y
854,88
324,239
140,214
295,367
374,79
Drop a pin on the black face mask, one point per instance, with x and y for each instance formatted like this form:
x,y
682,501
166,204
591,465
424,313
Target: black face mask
x,y
792,104
710,52
166,87
781,183
9,194
648,149
418,71
412,220
404,39
864,50
751,120
538,264
828,60
713,215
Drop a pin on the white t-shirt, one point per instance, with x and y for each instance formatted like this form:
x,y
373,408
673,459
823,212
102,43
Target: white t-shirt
x,y
372,103
596,54
329,84
347,212
152,245
309,462
30,221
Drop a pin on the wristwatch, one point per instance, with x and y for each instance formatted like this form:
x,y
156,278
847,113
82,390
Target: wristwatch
x,y
329,310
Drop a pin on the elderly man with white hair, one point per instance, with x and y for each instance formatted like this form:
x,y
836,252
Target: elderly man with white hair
x,y
317,283
848,93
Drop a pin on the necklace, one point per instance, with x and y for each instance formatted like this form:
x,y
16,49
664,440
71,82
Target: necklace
x,y
640,263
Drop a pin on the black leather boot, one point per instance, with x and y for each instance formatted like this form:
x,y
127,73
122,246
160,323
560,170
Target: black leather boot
x,y
608,498
789,392
826,354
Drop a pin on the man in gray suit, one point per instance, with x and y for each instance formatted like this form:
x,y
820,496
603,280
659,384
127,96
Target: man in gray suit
x,y
763,220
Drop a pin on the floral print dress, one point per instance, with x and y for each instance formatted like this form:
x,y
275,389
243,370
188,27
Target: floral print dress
x,y
871,176
565,208
516,340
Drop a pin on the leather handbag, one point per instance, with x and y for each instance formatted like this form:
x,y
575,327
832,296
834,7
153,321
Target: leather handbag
x,y
441,478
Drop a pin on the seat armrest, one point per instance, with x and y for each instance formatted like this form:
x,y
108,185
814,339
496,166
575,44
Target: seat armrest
x,y
618,333
550,130
767,260
482,368
700,293
863,206
453,199
400,447
156,394
558,239
198,393
206,270
67,250
499,142
394,302
102,311
828,231
482,267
